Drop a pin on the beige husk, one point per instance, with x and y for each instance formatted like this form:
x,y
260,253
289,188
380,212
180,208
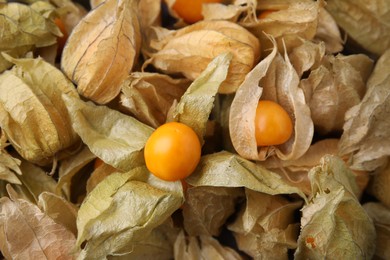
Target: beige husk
x,y
102,49
35,120
274,79
189,50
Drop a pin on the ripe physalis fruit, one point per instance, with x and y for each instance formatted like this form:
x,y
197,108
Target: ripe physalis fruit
x,y
191,10
172,152
273,126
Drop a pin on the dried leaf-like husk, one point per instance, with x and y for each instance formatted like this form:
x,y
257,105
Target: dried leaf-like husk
x,y
365,140
217,11
207,208
114,137
189,50
381,217
30,28
59,209
367,22
36,180
203,247
334,219
149,96
333,88
69,168
307,56
157,245
298,20
328,32
224,169
102,49
379,185
27,233
266,230
21,22
195,105
278,82
98,175
9,165
122,210
35,119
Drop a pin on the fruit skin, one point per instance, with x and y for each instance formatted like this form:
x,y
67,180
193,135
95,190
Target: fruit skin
x,y
172,152
191,10
273,126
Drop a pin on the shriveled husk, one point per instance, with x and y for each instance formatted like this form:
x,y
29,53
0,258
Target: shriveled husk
x,y
328,32
381,217
379,185
289,22
366,137
69,12
149,96
367,22
189,50
102,49
274,78
335,86
32,113
296,171
22,30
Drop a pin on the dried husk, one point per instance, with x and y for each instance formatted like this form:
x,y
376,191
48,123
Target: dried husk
x,y
189,50
28,233
287,25
122,211
367,22
95,3
59,209
98,175
328,32
70,13
227,12
307,56
296,171
207,209
35,119
202,247
9,165
196,104
381,217
274,79
69,169
103,49
334,220
334,87
379,185
30,28
149,96
265,228
365,140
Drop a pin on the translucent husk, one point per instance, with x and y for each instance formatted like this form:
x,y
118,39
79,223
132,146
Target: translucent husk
x,y
102,49
367,22
189,50
335,86
35,119
149,96
287,24
274,79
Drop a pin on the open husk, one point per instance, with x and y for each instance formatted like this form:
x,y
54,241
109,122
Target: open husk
x,y
102,49
274,79
189,50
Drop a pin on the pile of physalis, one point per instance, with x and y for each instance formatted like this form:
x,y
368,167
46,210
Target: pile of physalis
x,y
145,129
